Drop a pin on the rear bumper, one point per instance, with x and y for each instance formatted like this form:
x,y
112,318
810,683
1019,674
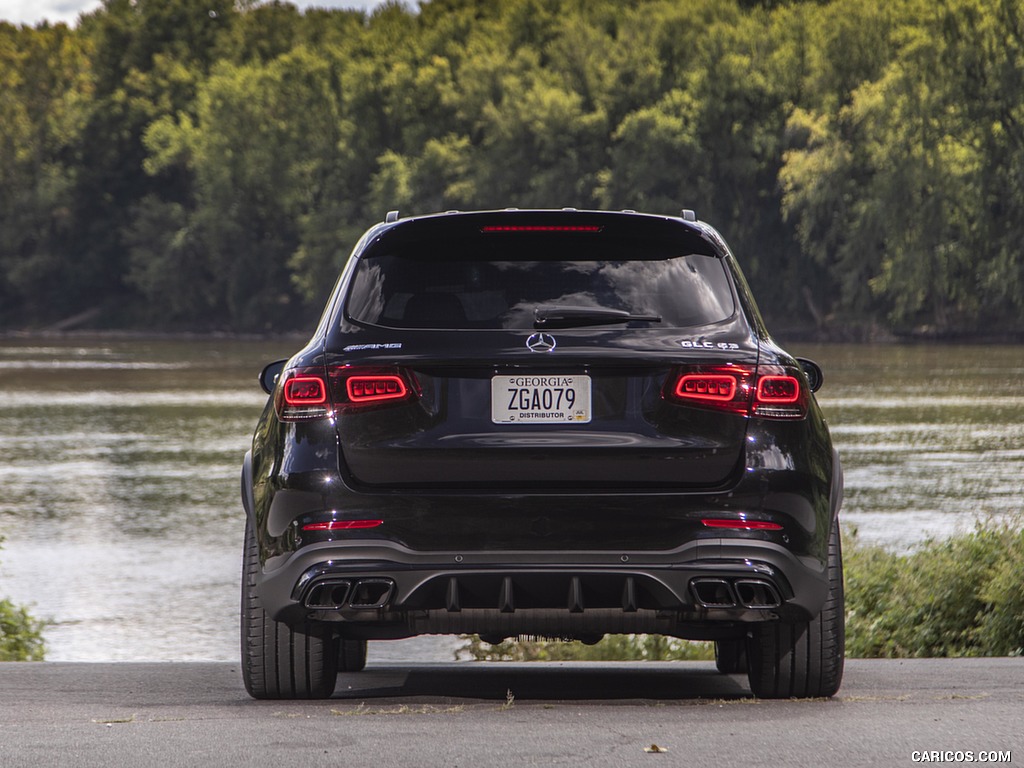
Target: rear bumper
x,y
705,589
550,568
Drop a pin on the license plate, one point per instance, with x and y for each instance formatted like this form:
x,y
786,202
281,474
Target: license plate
x,y
540,399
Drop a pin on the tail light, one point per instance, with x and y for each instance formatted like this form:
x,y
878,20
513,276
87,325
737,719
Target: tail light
x,y
355,388
306,393
780,396
721,387
376,388
301,395
770,392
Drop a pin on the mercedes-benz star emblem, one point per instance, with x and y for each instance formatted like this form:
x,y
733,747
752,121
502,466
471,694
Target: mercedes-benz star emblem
x,y
541,342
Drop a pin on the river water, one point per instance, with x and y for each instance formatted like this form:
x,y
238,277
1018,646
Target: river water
x,y
120,507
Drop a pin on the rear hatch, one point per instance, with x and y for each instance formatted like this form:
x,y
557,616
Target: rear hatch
x,y
523,354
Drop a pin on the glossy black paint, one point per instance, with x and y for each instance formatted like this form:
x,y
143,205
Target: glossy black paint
x,y
610,511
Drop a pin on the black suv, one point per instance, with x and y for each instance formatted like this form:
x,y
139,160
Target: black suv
x,y
548,423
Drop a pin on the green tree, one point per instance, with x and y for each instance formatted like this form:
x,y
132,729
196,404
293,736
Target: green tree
x,y
43,84
208,162
267,151
901,190
150,57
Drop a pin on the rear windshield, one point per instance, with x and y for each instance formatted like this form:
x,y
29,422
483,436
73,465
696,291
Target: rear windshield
x,y
503,285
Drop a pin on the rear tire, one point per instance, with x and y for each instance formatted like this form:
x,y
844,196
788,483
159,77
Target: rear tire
x,y
731,656
351,655
278,661
803,660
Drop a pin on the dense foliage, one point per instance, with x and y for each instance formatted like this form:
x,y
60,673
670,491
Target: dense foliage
x,y
208,163
21,635
963,596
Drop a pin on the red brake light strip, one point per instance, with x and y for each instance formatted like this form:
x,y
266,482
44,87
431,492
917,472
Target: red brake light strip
x,y
540,228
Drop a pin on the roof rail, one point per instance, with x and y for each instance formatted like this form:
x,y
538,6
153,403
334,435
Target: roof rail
x,y
392,217
688,214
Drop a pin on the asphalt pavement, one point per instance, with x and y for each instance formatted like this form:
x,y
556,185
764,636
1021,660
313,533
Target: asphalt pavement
x,y
888,713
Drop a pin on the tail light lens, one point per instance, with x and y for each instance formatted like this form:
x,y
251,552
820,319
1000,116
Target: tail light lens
x,y
307,393
301,395
770,392
355,388
376,389
780,396
721,387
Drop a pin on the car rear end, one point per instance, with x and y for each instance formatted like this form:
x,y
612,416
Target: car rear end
x,y
551,423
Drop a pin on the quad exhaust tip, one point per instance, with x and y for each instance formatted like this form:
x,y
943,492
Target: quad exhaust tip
x,y
359,594
734,593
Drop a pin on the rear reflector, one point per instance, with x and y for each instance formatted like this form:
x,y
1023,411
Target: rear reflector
x,y
742,525
342,525
541,228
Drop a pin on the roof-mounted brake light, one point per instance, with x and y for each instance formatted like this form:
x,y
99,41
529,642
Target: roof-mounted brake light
x,y
490,228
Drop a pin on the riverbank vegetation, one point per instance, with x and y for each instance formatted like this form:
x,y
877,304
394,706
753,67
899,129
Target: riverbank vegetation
x,y
208,164
963,596
21,635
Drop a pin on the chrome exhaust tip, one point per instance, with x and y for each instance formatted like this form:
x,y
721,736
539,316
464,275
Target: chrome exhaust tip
x,y
371,593
713,593
328,595
757,593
